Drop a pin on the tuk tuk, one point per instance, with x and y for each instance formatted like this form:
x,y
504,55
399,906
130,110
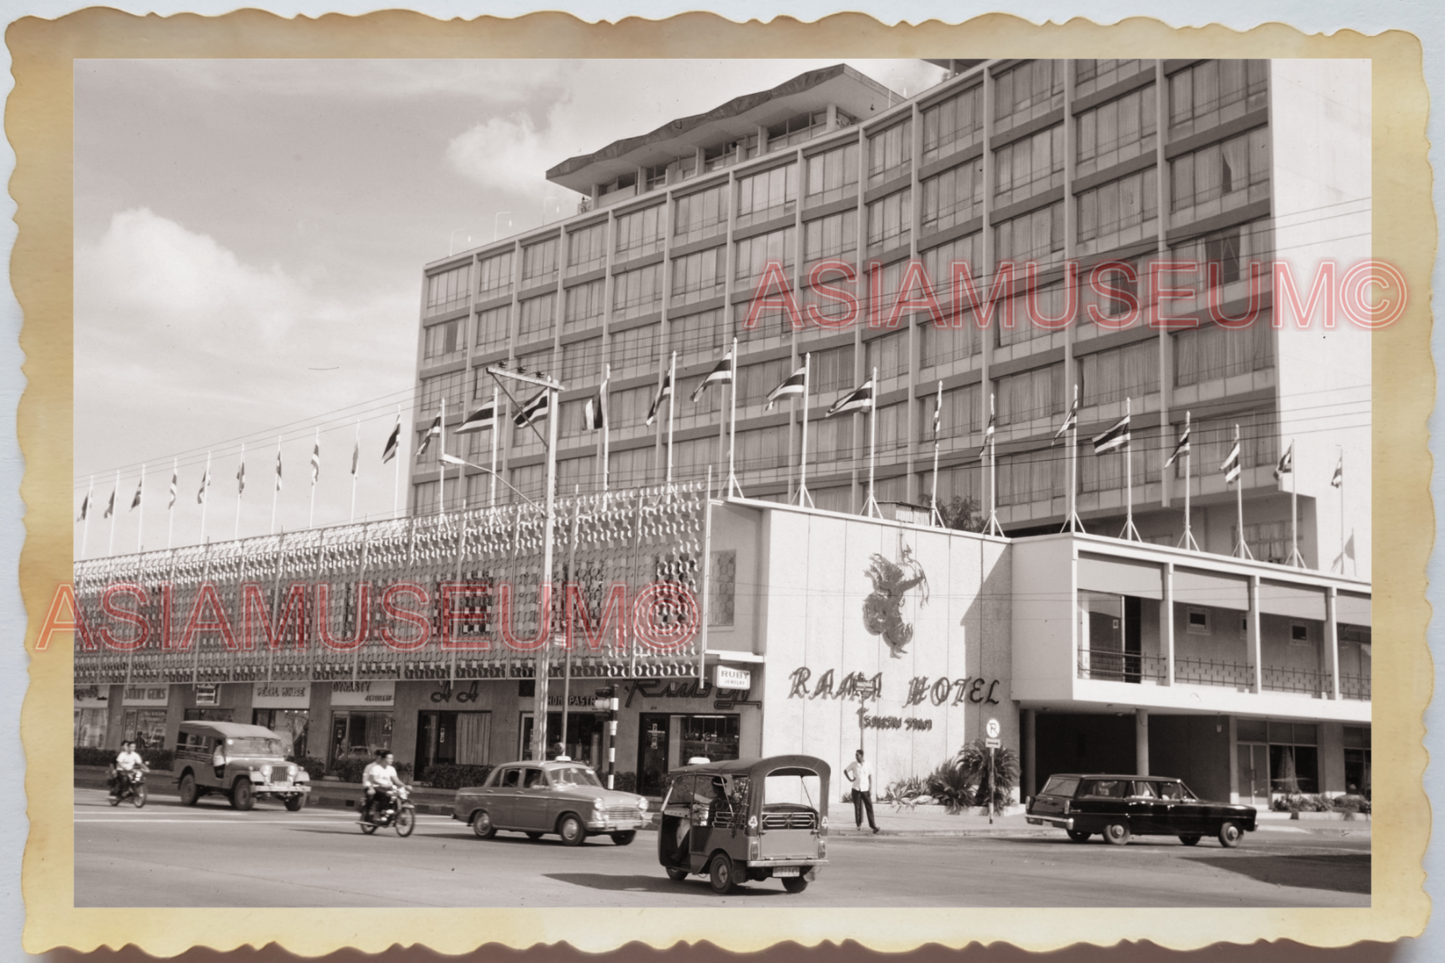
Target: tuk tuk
x,y
746,819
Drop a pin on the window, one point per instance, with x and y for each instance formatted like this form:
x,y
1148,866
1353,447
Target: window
x,y
628,408
755,381
289,724
1267,541
1209,352
772,326
696,336
1027,91
887,354
447,291
536,361
1357,759
1048,303
495,276
752,255
584,306
575,473
536,318
1120,212
693,458
1029,165
698,276
770,194
635,293
1030,477
1299,633
445,341
700,215
892,436
1092,75
582,363
832,370
831,440
1198,621
539,263
1030,394
587,248
762,448
530,481
1293,757
957,418
1213,92
890,222
1115,278
449,386
1036,236
494,327
1210,441
1117,131
952,125
953,197
833,176
628,468
939,263
634,351
1119,373
835,236
357,735
940,346
963,482
890,153
1106,472
1236,169
640,232
1233,249
90,726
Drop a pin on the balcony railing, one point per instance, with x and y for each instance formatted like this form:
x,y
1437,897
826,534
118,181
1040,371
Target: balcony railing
x,y
1355,687
1277,679
1231,675
1121,667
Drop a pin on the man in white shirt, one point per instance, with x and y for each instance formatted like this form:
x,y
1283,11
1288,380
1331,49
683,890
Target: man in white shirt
x,y
380,779
860,774
126,760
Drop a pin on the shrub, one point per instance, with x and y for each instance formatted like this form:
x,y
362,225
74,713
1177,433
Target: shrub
x,y
315,768
161,760
949,785
453,776
993,785
909,787
621,781
94,756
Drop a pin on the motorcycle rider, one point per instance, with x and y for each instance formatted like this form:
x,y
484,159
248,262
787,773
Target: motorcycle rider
x,y
380,780
125,761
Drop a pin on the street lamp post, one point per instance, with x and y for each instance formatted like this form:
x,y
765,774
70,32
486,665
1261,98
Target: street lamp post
x,y
463,463
549,525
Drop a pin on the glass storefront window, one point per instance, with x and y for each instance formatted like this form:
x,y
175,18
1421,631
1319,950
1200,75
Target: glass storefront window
x,y
146,727
289,724
715,737
90,727
585,738
209,715
357,735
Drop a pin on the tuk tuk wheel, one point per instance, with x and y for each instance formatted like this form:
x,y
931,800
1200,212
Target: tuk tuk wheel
x,y
795,884
676,875
721,874
624,838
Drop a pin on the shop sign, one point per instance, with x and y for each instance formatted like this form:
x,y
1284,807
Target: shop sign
x,y
687,689
281,695
372,694
726,677
146,695
92,696
206,693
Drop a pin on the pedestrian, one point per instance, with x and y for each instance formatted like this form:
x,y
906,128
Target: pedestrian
x,y
860,774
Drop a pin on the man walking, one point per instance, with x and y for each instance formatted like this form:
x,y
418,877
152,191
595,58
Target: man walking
x,y
860,774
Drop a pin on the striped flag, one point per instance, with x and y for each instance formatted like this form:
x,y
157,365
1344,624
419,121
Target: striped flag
x,y
1071,419
663,394
135,499
278,467
84,508
860,399
534,410
483,417
393,442
1117,436
594,413
987,429
433,432
721,374
1231,466
205,483
174,479
315,462
938,413
1286,464
1338,479
110,506
241,478
791,388
1181,447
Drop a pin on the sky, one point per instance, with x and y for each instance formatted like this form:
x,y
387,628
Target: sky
x,y
249,243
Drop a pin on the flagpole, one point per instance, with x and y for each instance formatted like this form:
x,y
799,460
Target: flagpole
x,y
1342,508
1241,549
671,410
496,428
171,508
1074,524
240,493
1188,541
803,497
870,507
1295,558
733,430
205,496
276,486
90,497
441,459
115,493
992,527
355,464
1129,533
935,515
606,424
141,518
315,474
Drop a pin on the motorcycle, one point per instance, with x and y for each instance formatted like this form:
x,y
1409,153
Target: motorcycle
x,y
129,784
390,809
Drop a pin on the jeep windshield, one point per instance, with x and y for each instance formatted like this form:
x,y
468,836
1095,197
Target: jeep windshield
x,y
253,746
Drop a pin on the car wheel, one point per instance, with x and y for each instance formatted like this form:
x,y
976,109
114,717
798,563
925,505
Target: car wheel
x,y
405,822
1117,832
1189,839
139,796
624,838
1229,834
795,884
243,797
296,802
571,830
534,835
1078,835
189,792
368,828
676,875
720,875
482,825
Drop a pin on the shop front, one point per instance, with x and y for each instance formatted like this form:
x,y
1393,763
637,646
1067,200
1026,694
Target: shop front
x,y
146,713
362,718
92,715
285,709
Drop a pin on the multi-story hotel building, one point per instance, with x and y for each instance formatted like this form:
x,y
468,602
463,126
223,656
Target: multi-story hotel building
x,y
1041,163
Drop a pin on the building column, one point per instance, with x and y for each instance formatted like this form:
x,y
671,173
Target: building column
x,y
1141,742
1256,664
1166,623
1332,643
1028,755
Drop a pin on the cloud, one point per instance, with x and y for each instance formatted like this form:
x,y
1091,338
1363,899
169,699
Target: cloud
x,y
505,153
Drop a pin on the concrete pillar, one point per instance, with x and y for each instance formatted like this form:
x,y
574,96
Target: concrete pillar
x,y
1256,664
1166,623
1028,755
1332,645
1141,742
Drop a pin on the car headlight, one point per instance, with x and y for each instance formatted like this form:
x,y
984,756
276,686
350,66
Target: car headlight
x,y
266,772
597,803
291,772
642,803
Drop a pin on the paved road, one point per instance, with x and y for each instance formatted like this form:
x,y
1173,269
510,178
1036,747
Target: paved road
x,y
210,855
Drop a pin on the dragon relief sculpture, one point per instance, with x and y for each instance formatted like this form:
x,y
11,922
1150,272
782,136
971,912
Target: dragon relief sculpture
x,y
883,608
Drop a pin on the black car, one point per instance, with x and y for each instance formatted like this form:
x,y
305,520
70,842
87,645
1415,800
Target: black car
x,y
1122,806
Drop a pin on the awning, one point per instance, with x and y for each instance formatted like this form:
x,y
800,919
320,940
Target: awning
x,y
1120,578
1294,601
1207,589
1352,609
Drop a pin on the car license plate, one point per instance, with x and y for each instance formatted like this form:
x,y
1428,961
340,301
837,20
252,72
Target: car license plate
x,y
787,871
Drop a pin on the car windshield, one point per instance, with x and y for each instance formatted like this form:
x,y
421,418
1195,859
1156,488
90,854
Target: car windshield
x,y
569,776
253,746
1060,786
